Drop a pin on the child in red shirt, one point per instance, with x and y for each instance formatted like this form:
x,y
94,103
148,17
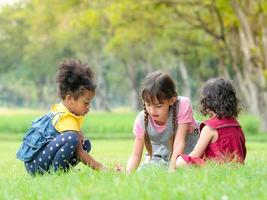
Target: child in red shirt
x,y
221,137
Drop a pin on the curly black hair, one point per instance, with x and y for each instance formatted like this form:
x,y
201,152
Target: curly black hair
x,y
218,95
74,77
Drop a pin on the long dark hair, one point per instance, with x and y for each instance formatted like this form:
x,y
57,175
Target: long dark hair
x,y
218,95
158,86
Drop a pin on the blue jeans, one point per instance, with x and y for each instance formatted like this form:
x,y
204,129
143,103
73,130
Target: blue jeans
x,y
59,153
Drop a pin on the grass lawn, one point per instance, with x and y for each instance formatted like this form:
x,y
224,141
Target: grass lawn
x,y
210,182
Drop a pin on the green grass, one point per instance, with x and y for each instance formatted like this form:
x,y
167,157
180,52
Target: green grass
x,y
210,182
98,125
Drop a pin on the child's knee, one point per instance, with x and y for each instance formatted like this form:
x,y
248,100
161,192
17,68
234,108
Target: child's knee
x,y
71,137
87,146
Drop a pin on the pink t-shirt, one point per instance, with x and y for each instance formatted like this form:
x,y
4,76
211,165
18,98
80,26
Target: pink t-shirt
x,y
185,115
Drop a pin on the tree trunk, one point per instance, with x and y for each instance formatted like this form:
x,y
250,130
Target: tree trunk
x,y
186,80
101,92
252,67
241,85
264,44
42,97
134,96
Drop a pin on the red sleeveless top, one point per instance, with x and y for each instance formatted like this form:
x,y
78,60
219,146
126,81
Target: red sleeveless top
x,y
230,145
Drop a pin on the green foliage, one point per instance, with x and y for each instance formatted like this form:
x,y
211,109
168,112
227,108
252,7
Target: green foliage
x,y
123,40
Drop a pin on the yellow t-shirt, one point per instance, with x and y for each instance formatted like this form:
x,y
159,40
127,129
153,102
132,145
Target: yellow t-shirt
x,y
64,120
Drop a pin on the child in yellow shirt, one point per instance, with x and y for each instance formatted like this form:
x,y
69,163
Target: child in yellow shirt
x,y
55,140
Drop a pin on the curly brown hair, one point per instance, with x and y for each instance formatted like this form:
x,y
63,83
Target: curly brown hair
x,y
218,95
74,77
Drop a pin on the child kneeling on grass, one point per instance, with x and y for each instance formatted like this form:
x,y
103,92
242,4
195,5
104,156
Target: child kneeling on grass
x,y
55,140
166,126
221,137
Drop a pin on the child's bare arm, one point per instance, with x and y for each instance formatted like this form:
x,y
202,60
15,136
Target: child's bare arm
x,y
81,137
87,159
179,143
136,156
206,136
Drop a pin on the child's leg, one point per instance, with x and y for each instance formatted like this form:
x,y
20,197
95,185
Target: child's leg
x,y
58,153
65,156
87,159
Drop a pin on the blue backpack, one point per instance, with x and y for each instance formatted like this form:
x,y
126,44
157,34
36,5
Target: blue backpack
x,y
38,136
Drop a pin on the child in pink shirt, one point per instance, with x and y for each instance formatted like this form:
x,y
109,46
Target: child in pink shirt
x,y
221,137
184,116
166,126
